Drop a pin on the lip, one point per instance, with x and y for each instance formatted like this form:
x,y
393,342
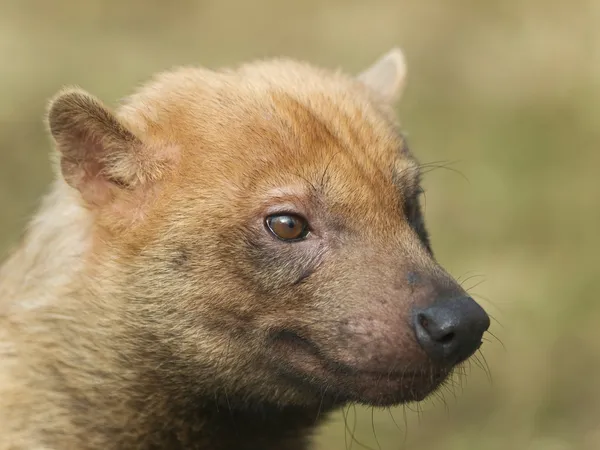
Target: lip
x,y
304,364
388,390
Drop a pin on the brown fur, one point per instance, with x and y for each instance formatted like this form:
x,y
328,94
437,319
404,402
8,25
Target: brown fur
x,y
148,307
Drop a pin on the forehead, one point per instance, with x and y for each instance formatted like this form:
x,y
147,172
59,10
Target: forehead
x,y
264,123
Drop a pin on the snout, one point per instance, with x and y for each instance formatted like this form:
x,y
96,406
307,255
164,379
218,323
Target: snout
x,y
450,331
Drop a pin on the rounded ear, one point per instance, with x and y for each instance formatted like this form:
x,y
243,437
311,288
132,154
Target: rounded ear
x,y
98,153
387,76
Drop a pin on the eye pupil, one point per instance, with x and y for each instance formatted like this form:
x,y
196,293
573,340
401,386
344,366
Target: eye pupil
x,y
288,227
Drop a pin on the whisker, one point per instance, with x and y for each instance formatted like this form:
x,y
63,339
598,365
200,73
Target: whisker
x,y
482,366
327,167
310,183
345,416
320,404
496,320
463,281
351,432
354,423
373,427
475,285
496,338
405,423
389,410
477,362
487,366
487,299
429,167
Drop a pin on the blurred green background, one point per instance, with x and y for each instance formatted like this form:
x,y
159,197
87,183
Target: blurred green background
x,y
505,92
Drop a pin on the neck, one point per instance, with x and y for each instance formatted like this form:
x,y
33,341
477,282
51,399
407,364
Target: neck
x,y
208,425
141,408
117,395
110,396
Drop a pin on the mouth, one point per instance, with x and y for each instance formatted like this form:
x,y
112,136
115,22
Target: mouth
x,y
302,362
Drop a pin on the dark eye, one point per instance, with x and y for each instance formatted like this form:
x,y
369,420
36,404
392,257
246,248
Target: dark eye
x,y
288,227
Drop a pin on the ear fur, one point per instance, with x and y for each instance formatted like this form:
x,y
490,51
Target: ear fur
x,y
99,155
387,76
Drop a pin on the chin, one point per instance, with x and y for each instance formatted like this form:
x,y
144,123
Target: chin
x,y
384,390
334,383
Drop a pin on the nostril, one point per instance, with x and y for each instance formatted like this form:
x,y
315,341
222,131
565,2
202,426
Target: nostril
x,y
438,332
446,338
423,321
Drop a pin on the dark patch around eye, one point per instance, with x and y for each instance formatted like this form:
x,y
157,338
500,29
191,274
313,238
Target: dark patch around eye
x,y
407,182
414,215
277,266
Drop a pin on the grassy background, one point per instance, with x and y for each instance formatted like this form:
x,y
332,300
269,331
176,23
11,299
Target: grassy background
x,y
506,92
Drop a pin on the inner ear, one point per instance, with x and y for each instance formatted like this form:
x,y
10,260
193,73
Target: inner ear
x,y
95,147
387,76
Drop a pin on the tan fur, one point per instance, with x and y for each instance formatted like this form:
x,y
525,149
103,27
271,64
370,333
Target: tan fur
x,y
146,297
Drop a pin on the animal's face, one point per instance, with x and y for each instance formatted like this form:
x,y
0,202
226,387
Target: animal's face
x,y
264,228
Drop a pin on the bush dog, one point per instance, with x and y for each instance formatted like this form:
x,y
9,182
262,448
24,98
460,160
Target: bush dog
x,y
223,260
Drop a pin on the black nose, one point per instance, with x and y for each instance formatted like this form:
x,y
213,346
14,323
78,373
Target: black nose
x,y
451,330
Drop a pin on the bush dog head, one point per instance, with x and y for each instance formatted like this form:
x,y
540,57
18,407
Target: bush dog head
x,y
260,231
